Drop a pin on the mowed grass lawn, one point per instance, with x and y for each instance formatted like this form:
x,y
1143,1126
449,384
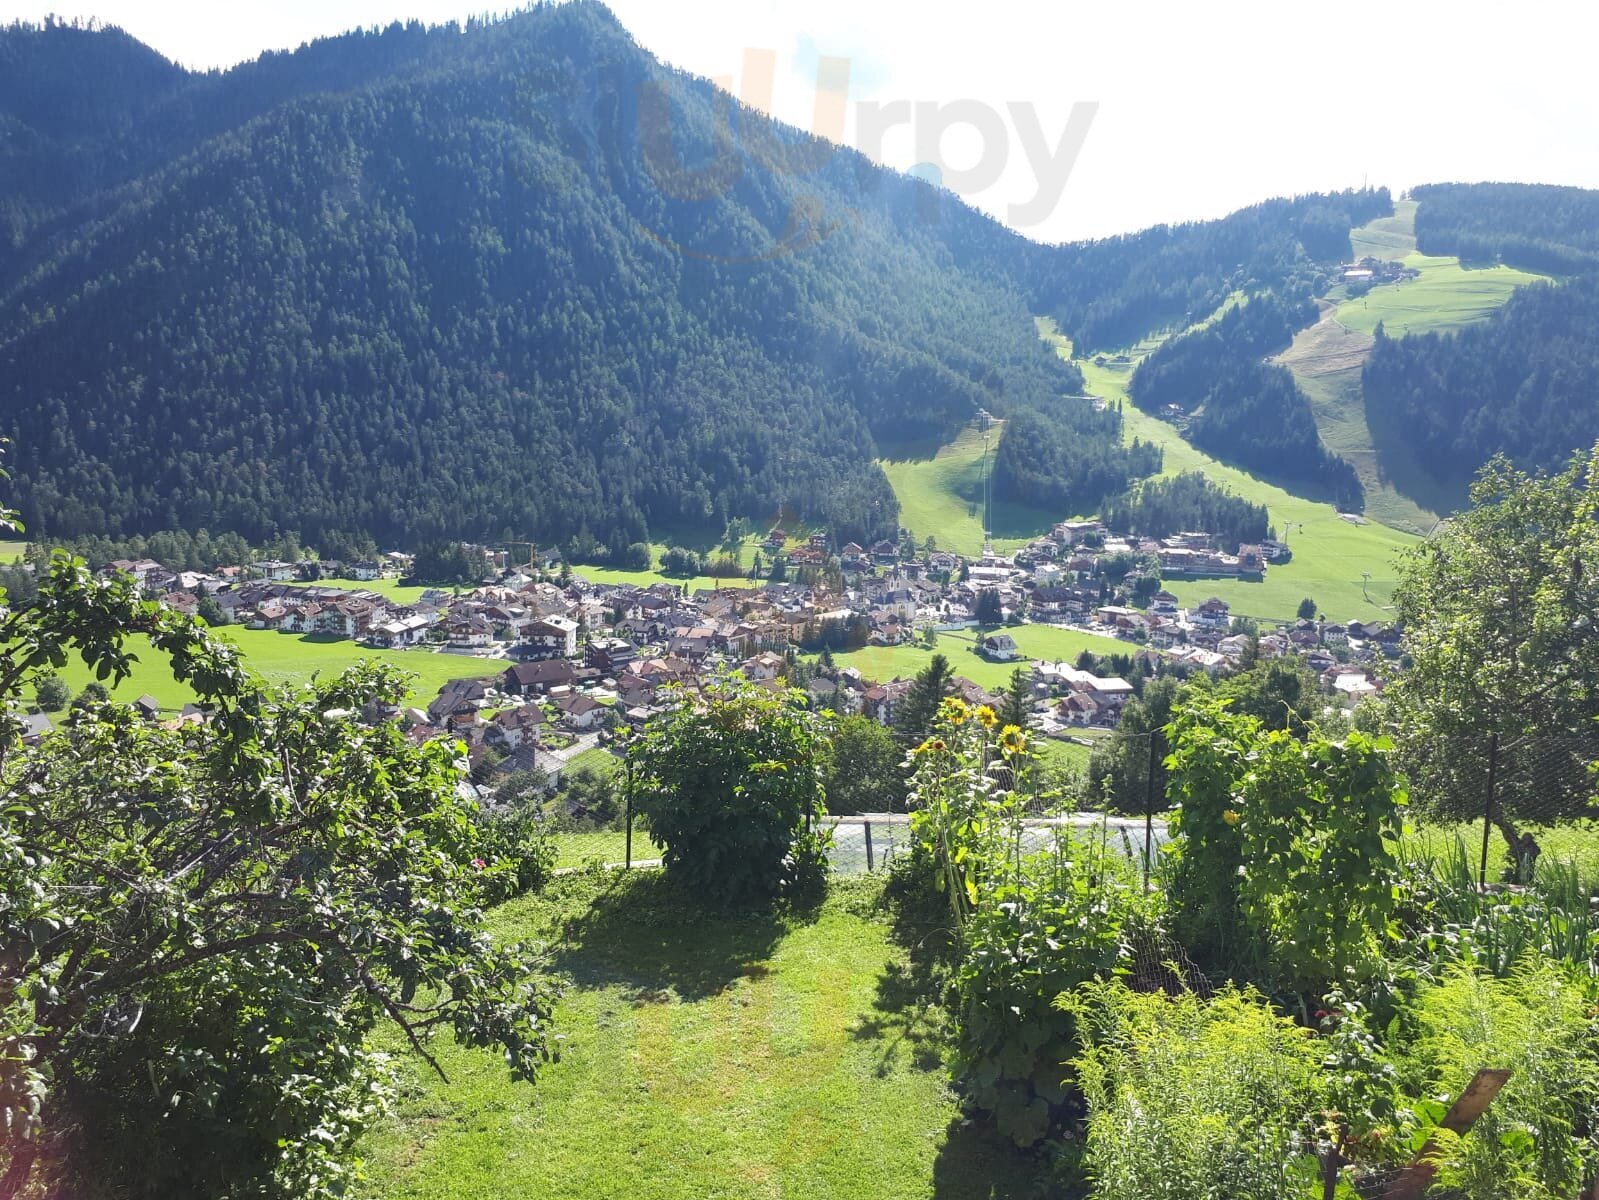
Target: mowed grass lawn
x,y
942,496
706,1056
605,845
285,658
883,663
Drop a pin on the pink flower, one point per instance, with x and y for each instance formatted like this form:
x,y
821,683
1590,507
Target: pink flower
x,y
478,864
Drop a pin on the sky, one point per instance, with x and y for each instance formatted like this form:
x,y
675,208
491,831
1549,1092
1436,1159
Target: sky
x,y
1070,120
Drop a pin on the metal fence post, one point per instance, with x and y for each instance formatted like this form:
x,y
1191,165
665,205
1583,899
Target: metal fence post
x,y
1488,809
627,804
868,827
1149,807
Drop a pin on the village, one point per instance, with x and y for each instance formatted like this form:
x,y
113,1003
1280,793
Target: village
x,y
569,663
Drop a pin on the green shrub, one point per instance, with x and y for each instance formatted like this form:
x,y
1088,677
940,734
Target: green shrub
x,y
1537,1141
728,782
1042,926
1192,1098
1027,926
516,853
1285,863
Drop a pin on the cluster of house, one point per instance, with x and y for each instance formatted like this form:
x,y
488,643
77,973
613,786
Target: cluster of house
x,y
1369,271
576,659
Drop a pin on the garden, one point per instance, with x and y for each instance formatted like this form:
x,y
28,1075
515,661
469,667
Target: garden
x,y
1291,1006
280,955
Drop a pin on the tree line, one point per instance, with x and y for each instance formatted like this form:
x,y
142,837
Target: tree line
x,y
1539,227
454,304
1190,501
1522,383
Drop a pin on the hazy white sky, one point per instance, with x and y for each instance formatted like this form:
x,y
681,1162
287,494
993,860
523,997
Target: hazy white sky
x,y
1202,108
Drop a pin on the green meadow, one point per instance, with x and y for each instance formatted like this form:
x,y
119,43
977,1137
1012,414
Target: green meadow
x,y
1347,568
1331,556
1445,297
1326,359
1049,642
1387,238
285,658
942,495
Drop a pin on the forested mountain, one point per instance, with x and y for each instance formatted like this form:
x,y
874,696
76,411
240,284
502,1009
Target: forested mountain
x,y
1240,407
475,293
1539,227
518,279
1112,292
1524,383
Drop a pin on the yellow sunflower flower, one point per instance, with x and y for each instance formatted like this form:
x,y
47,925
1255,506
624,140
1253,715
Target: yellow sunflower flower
x,y
955,710
1012,740
930,746
986,716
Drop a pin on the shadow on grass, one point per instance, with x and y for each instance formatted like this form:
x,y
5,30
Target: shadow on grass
x,y
909,1012
976,1162
647,935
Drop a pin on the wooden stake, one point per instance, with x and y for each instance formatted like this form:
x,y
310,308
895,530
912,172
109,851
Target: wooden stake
x,y
1412,1183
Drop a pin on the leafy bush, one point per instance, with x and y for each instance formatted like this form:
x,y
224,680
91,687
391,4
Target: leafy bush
x,y
1285,862
50,692
1043,925
728,781
1193,1098
517,853
204,926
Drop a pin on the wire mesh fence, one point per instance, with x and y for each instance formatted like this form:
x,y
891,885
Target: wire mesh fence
x,y
869,842
1515,799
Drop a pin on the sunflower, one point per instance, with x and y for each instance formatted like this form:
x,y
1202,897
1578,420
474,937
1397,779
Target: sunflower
x,y
1012,740
986,716
930,746
1230,816
955,711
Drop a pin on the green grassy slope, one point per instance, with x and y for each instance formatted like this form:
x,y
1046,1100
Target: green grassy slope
x,y
1399,492
1387,238
1446,296
735,1057
1330,554
942,496
1326,360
